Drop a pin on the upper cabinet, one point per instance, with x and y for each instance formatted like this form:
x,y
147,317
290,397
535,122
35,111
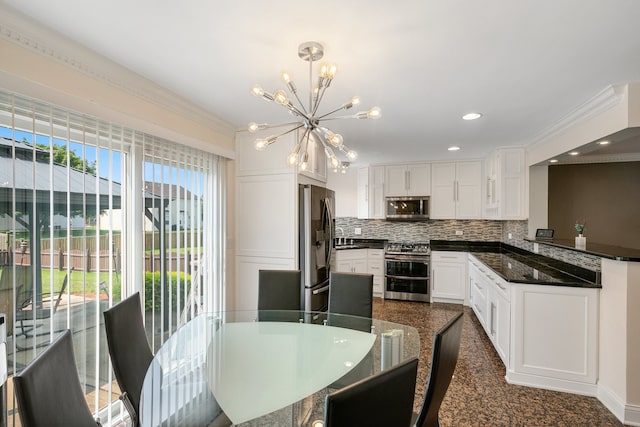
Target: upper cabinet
x,y
371,193
456,190
408,180
506,185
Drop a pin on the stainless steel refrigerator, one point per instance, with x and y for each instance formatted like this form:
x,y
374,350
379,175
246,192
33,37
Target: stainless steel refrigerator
x,y
317,205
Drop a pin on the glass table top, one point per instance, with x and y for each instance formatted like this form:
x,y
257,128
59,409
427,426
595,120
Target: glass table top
x,y
246,365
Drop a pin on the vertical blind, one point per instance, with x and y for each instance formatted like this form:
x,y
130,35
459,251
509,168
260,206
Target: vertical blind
x,y
91,212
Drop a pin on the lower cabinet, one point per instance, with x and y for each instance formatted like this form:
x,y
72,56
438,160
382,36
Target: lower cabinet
x,y
490,301
449,276
546,335
363,261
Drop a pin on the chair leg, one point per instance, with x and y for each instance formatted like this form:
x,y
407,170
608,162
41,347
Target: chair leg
x,y
130,409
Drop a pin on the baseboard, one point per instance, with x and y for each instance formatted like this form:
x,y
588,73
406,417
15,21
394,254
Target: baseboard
x,y
554,384
627,414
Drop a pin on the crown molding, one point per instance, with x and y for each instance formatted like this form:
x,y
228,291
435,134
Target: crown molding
x,y
21,30
604,100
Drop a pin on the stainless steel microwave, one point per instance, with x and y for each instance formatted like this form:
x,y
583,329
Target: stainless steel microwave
x,y
407,208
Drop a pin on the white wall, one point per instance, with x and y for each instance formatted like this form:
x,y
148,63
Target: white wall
x,y
346,188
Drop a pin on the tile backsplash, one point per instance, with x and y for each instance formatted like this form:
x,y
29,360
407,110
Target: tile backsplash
x,y
474,230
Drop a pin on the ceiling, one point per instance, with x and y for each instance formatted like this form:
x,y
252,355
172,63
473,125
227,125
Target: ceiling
x,y
524,65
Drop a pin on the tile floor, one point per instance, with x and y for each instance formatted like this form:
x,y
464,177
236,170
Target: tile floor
x,y
478,394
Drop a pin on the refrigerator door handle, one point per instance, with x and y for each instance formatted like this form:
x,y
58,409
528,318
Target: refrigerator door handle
x,y
321,290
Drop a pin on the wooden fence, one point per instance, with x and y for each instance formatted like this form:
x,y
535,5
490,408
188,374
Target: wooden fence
x,y
102,261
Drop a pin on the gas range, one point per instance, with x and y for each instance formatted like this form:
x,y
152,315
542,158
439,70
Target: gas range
x,y
420,249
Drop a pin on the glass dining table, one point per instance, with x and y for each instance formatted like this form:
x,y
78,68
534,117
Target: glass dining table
x,y
256,368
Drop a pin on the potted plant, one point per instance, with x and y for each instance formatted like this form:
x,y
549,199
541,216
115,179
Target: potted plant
x,y
581,241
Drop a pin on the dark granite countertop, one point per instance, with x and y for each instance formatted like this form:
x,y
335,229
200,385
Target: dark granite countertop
x,y
605,251
520,266
360,244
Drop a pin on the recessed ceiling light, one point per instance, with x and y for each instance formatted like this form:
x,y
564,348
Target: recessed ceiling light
x,y
574,153
453,148
553,161
471,116
603,142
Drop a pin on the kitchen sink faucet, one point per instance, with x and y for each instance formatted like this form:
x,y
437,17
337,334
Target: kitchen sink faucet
x,y
340,239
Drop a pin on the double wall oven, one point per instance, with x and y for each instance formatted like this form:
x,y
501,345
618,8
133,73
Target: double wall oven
x,y
407,271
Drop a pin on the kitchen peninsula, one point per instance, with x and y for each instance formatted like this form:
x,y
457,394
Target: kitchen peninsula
x,y
540,314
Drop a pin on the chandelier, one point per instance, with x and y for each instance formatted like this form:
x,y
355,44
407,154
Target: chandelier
x,y
307,116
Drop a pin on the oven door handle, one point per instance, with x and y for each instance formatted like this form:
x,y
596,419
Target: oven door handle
x,y
407,277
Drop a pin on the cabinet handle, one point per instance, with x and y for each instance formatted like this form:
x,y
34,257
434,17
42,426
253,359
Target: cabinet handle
x,y
477,307
407,180
366,192
493,320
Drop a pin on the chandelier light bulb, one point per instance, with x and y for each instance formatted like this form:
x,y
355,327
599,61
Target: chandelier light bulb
x,y
331,72
335,139
352,155
355,100
324,68
374,113
305,162
292,159
257,90
260,144
253,127
285,77
280,97
334,161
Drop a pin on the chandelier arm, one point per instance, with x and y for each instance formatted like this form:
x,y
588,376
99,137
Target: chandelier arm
x,y
305,112
295,128
351,116
276,125
342,107
319,99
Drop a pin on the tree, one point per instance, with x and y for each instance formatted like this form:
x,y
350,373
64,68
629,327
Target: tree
x,y
60,157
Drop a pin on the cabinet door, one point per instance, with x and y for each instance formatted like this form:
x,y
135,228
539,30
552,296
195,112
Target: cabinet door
x,y
360,266
513,180
443,176
448,280
469,190
503,328
419,179
376,192
395,180
363,193
344,266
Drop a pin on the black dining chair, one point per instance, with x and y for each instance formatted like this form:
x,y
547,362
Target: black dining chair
x,y
129,351
48,390
351,294
382,400
279,290
446,347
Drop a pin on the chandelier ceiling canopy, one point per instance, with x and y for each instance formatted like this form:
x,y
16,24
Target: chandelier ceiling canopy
x,y
308,119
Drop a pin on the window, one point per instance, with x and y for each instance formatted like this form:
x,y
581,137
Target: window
x,y
91,212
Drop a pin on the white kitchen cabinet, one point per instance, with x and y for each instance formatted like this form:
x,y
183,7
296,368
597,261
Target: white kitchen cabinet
x,y
369,261
555,338
547,336
408,180
448,276
351,261
506,185
371,193
478,293
375,266
456,190
490,299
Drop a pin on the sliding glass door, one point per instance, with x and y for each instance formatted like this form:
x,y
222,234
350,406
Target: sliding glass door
x,y
91,212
